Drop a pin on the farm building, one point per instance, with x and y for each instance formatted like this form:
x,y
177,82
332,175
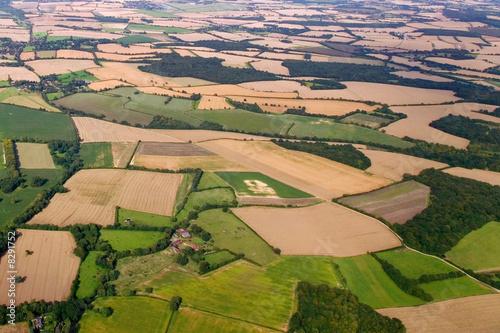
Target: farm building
x,y
183,233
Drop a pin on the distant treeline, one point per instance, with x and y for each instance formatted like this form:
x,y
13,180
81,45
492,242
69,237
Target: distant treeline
x,y
467,128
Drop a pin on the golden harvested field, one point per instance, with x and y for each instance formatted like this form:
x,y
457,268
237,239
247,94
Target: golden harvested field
x,y
419,75
34,156
214,103
206,163
122,153
310,173
490,177
206,135
117,48
93,195
74,54
234,90
128,73
30,100
416,125
478,314
194,37
17,74
323,229
24,56
184,53
474,64
229,59
326,107
162,92
394,165
58,66
274,86
271,66
108,84
95,130
122,57
17,328
85,34
49,271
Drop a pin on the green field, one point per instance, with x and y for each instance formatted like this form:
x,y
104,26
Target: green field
x,y
155,13
53,96
183,191
366,120
413,264
130,315
237,181
18,121
97,155
480,249
140,218
210,180
58,38
88,276
125,104
216,196
134,39
168,30
219,257
229,232
24,194
79,75
122,240
367,280
190,320
247,292
454,288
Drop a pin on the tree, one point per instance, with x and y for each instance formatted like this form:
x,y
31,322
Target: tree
x,y
175,303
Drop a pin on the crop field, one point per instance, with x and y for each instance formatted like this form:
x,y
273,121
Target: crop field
x,y
88,276
16,328
95,130
17,121
394,165
129,73
454,288
479,250
263,296
367,280
58,66
34,156
214,103
94,194
324,229
17,74
96,155
74,54
413,264
49,270
396,204
133,39
26,99
122,153
108,84
229,232
471,314
210,180
257,184
140,218
309,173
207,135
490,177
171,149
234,90
122,240
189,320
154,313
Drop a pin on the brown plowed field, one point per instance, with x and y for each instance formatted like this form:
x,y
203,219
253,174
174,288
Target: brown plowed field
x,y
49,271
490,177
477,314
310,173
324,229
206,163
93,195
396,204
171,149
95,130
395,165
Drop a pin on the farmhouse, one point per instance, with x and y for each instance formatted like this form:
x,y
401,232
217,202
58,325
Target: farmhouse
x,y
183,233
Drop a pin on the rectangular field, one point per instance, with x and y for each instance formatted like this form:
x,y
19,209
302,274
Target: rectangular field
x,y
122,153
171,149
140,218
121,240
454,288
210,163
96,155
324,229
34,156
257,184
396,204
214,103
49,270
89,275
94,194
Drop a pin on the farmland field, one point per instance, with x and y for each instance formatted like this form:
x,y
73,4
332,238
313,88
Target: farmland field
x,y
471,314
218,258
367,280
211,180
140,218
323,229
171,149
96,155
17,121
122,153
257,184
396,204
78,75
93,195
206,163
213,103
154,313
490,177
454,288
88,276
121,240
60,66
216,196
49,270
229,232
34,156
478,250
29,100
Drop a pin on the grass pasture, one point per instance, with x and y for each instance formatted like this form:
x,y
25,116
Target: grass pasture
x,y
134,39
34,156
367,280
257,184
454,288
26,99
366,120
97,155
229,232
478,250
18,121
154,315
140,218
219,257
216,196
211,180
122,240
155,13
78,75
88,275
